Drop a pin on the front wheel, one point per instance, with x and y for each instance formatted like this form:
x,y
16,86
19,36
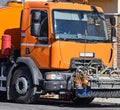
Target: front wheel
x,y
3,96
83,101
22,88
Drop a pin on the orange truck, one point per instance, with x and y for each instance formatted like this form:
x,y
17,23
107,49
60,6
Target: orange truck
x,y
56,49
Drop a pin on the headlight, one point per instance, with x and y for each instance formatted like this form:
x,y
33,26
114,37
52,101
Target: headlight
x,y
53,76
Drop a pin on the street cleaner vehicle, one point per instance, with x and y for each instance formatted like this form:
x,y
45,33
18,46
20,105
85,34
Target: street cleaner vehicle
x,y
56,48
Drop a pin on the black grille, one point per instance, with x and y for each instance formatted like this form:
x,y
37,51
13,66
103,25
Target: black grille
x,y
103,93
76,62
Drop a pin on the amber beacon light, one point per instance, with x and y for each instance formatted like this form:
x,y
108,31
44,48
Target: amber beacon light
x,y
85,1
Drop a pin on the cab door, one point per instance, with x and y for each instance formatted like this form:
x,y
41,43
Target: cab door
x,y
35,44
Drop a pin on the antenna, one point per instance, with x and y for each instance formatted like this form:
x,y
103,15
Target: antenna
x,y
23,1
85,1
55,0
85,49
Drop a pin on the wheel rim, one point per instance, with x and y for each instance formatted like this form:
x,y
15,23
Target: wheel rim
x,y
22,85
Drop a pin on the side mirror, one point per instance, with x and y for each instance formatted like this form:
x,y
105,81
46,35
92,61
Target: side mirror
x,y
113,21
35,29
35,23
113,29
113,34
36,15
114,39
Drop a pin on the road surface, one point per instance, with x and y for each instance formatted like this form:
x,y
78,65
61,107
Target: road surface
x,y
97,104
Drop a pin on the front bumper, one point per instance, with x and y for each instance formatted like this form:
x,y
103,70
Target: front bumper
x,y
102,93
57,86
103,87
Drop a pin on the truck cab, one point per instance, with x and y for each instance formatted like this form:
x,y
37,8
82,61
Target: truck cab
x,y
55,35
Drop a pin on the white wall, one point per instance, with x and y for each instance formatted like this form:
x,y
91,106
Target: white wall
x,y
118,6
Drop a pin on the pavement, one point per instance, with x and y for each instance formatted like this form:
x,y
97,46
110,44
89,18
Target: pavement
x,y
108,100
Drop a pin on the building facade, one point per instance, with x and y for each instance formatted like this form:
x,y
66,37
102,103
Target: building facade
x,y
111,8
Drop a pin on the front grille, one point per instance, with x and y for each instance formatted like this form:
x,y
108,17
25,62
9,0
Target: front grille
x,y
77,62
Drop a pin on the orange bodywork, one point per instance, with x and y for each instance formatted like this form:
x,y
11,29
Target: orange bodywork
x,y
10,23
62,52
58,54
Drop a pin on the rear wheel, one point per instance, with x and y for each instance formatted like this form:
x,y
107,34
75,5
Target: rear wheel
x,y
22,88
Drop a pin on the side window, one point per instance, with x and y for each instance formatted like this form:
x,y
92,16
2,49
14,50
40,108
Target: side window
x,y
39,23
44,24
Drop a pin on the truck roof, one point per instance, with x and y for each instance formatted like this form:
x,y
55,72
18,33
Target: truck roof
x,y
61,5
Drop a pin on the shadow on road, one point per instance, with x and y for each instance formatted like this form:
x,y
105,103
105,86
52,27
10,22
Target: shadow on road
x,y
72,105
67,104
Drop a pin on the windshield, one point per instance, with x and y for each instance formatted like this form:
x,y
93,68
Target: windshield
x,y
74,25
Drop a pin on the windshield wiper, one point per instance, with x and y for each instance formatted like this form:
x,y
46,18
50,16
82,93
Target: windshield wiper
x,y
96,41
71,39
83,40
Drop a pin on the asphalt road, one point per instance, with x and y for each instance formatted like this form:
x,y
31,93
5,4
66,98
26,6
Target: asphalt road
x,y
97,104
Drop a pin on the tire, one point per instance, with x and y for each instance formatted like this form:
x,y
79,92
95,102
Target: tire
x,y
3,96
83,101
22,89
